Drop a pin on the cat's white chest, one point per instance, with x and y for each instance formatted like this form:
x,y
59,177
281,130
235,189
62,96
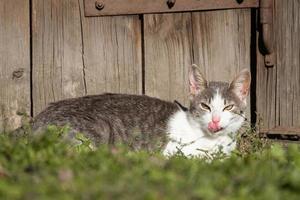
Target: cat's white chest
x,y
188,139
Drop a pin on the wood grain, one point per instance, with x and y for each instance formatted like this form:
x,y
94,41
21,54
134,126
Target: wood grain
x,y
125,7
279,87
287,28
113,54
14,62
168,54
74,56
57,52
218,41
221,43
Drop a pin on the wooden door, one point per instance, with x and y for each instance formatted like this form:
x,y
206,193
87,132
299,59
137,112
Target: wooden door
x,y
278,88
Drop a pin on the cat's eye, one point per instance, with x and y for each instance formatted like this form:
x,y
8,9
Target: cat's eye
x,y
229,107
204,106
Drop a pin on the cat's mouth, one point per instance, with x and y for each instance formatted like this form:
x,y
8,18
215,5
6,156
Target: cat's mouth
x,y
214,128
216,131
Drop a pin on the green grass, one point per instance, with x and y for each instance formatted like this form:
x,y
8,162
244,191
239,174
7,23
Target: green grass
x,y
46,168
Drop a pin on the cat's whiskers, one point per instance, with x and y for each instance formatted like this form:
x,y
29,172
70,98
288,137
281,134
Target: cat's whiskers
x,y
241,115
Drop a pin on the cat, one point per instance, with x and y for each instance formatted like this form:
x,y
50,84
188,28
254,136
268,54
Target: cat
x,y
215,114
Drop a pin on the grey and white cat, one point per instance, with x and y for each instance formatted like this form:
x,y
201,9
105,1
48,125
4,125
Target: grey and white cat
x,y
216,113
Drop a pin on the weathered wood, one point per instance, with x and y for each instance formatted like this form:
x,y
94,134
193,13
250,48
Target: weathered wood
x,y
14,62
278,90
74,56
57,52
221,43
287,30
113,54
281,130
266,100
168,54
125,7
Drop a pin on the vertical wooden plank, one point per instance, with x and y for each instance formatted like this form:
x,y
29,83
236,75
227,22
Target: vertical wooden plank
x,y
74,55
287,30
112,54
278,93
295,71
57,52
168,54
14,62
266,94
221,43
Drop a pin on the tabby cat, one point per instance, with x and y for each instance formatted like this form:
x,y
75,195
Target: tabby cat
x,y
215,114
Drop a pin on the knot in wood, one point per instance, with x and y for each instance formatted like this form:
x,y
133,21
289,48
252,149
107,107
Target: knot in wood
x,y
17,74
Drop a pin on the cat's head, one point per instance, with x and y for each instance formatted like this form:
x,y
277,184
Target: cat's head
x,y
218,107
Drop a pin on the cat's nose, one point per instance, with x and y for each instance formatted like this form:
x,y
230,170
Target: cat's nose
x,y
216,119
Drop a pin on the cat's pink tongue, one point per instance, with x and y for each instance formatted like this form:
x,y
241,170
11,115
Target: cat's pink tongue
x,y
213,127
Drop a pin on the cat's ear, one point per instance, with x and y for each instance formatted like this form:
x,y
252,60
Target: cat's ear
x,y
241,84
197,82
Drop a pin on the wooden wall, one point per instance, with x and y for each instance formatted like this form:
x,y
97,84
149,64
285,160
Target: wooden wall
x,y
278,88
150,54
14,62
74,56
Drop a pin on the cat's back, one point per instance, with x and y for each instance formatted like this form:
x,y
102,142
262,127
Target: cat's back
x,y
106,113
108,103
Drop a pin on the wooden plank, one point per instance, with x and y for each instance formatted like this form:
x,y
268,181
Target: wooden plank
x,y
265,91
74,56
287,30
113,54
125,7
279,92
221,43
57,52
168,54
14,62
266,94
281,130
